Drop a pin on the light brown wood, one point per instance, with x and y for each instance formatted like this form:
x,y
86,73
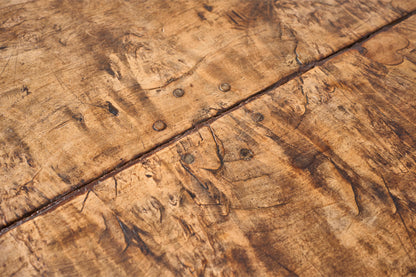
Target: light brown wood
x,y
315,178
82,82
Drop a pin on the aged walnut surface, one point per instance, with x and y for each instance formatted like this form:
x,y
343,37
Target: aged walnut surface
x,y
316,177
83,83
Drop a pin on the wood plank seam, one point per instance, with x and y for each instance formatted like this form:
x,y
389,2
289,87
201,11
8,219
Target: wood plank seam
x,y
89,185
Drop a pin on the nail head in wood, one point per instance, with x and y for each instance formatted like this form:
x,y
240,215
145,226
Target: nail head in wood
x,y
159,126
188,158
178,92
257,117
224,87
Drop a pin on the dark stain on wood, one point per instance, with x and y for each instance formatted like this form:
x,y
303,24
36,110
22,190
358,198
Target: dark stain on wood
x,y
132,237
242,263
25,90
65,178
201,16
113,110
208,7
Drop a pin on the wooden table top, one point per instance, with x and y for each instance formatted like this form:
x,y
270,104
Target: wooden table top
x,y
208,138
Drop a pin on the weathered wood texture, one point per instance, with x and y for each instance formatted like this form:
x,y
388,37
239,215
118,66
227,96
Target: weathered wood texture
x,y
315,178
82,82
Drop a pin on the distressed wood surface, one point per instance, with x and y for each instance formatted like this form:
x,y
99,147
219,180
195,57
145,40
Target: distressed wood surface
x,y
82,82
315,178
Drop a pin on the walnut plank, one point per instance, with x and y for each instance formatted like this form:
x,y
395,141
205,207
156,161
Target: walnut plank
x,y
315,178
82,83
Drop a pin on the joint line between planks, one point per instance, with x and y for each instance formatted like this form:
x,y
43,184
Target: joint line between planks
x,y
89,185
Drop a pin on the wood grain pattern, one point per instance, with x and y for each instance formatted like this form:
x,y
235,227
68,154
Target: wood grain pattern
x,y
82,82
315,178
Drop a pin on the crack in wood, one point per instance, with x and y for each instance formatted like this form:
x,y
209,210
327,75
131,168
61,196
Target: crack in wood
x,y
218,152
174,79
85,200
397,207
